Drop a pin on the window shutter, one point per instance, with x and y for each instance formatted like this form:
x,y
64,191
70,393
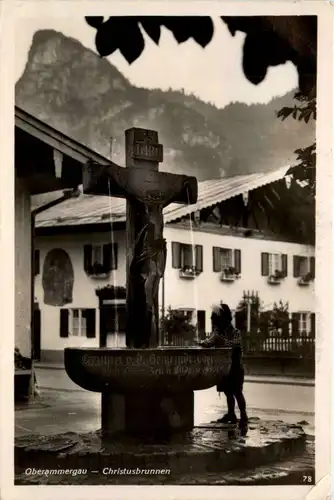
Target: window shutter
x,y
237,261
87,257
313,325
296,266
176,255
199,258
284,265
114,257
36,333
64,323
90,323
312,267
265,264
107,257
295,324
216,263
36,262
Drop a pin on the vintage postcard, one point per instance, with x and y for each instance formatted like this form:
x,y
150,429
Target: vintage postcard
x,y
167,291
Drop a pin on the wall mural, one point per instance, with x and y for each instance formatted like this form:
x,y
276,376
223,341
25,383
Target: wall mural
x,y
58,278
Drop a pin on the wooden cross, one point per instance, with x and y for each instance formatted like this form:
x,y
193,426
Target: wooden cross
x,y
147,192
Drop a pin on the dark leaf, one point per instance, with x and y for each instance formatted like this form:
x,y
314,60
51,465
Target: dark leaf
x,y
132,46
94,22
123,33
200,28
205,31
285,112
254,67
107,38
152,27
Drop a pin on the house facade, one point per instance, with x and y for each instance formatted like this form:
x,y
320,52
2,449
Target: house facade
x,y
244,234
45,161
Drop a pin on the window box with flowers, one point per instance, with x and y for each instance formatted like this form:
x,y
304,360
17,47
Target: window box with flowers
x,y
276,278
305,280
188,272
97,271
226,262
275,267
303,269
229,274
188,259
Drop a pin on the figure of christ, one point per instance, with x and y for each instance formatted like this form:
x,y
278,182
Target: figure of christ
x,y
146,270
147,192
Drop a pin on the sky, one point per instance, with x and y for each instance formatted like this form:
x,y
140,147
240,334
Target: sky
x,y
213,74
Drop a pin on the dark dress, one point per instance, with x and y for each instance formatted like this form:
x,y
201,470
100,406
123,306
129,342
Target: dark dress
x,y
228,336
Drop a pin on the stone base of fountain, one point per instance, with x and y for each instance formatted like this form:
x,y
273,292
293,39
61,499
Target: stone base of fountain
x,y
206,449
146,390
147,413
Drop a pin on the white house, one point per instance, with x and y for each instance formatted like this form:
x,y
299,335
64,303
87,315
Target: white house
x,y
250,232
45,160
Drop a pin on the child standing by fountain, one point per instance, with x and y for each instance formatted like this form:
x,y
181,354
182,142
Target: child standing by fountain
x,y
225,335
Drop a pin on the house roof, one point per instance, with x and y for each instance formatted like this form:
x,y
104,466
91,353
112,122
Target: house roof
x,y
57,140
92,209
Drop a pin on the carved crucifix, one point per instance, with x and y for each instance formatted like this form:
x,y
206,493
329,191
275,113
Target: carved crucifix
x,y
147,192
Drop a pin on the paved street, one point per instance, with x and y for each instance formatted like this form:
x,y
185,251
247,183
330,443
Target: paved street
x,y
63,406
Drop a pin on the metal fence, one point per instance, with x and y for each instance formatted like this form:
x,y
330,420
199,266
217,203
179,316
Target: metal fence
x,y
259,344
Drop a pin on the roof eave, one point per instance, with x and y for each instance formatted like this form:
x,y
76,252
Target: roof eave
x,y
56,139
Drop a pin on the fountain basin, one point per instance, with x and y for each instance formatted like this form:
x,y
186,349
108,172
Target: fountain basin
x,y
172,370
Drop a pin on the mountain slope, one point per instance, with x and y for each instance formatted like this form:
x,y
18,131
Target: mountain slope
x,y
87,98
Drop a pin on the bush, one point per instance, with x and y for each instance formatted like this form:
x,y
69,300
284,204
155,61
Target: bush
x,y
177,325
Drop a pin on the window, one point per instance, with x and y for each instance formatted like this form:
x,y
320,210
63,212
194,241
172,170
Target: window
x,y
77,323
188,313
187,256
100,259
271,263
274,263
97,254
224,258
303,323
302,266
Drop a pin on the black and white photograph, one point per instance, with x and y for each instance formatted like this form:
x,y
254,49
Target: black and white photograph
x,y
166,247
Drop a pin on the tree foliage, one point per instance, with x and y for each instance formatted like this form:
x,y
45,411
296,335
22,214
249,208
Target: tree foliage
x,y
275,319
175,324
305,110
269,41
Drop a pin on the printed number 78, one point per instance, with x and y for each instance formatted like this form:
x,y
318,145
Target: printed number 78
x,y
307,479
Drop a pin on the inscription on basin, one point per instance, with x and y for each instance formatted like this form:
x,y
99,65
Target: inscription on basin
x,y
126,370
153,364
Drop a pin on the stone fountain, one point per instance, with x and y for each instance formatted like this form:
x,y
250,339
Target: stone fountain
x,y
145,388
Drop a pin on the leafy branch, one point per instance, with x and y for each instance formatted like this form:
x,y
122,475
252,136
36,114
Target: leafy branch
x,y
305,111
305,170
